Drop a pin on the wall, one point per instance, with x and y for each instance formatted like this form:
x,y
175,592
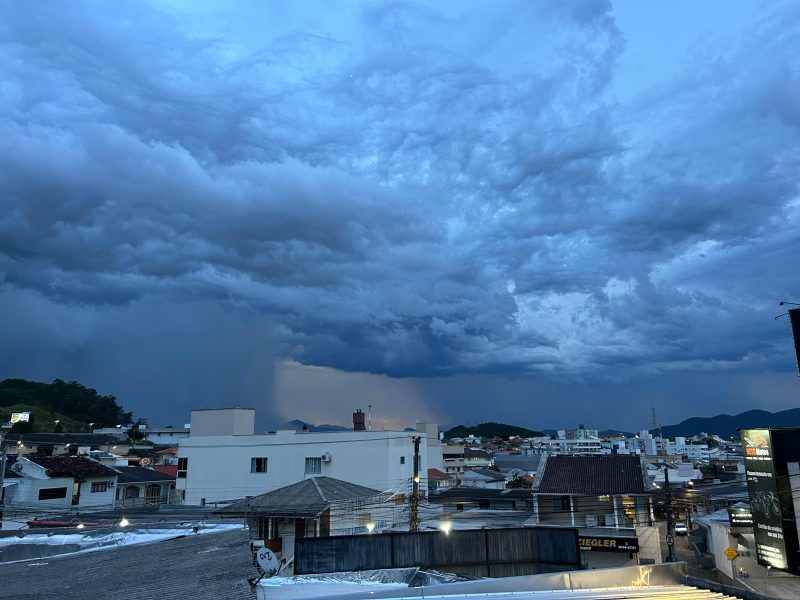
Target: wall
x,y
219,466
27,492
482,552
223,421
90,499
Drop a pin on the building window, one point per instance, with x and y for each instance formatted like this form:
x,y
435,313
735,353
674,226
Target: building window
x,y
183,464
99,486
566,503
402,460
258,464
313,465
52,493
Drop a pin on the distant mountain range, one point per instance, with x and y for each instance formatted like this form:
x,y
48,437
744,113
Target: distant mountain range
x,y
298,424
727,426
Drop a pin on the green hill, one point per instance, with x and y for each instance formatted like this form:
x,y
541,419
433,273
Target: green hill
x,y
69,402
488,430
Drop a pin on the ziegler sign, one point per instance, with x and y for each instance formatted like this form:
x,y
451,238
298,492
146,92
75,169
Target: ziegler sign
x,y
608,544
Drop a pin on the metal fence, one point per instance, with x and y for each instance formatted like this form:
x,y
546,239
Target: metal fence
x,y
477,552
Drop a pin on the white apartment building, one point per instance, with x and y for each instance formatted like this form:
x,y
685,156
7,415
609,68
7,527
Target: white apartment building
x,y
165,436
565,446
692,451
224,459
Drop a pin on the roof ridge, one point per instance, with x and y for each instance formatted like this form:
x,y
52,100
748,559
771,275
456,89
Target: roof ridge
x,y
319,489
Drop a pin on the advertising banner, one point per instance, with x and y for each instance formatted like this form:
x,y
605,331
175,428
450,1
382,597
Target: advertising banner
x,y
765,503
608,544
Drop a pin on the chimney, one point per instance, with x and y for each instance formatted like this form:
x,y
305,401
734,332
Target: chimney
x,y
358,421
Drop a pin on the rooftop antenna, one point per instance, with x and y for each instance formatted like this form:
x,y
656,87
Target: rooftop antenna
x,y
656,426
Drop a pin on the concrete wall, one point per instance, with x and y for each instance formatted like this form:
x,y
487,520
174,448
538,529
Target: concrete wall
x,y
219,466
223,421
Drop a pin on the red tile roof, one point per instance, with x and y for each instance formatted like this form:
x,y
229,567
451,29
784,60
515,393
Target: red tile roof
x,y
436,474
171,470
609,474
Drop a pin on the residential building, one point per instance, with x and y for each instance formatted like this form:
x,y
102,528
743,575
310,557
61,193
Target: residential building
x,y
476,458
140,486
60,482
316,507
484,478
561,445
165,436
516,464
453,460
224,459
468,498
439,480
56,444
591,491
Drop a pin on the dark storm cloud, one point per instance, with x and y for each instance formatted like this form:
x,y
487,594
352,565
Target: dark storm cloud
x,y
404,189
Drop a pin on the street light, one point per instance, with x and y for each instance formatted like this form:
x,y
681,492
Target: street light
x,y
445,526
370,527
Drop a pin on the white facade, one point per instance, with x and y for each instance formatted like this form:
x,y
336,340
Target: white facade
x,y
166,436
566,446
34,489
221,465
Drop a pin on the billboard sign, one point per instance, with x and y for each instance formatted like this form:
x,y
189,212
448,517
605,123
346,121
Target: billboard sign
x,y
21,417
765,506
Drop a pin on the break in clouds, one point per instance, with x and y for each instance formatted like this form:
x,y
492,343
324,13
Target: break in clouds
x,y
396,188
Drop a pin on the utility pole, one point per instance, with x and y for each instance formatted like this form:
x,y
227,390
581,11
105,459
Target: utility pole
x,y
670,519
2,477
414,520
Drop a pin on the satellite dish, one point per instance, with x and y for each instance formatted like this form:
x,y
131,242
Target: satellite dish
x,y
267,561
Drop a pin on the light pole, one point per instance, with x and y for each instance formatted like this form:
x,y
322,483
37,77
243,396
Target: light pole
x,y
2,477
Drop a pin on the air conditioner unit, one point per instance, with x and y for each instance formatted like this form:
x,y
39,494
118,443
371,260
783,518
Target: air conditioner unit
x,y
326,457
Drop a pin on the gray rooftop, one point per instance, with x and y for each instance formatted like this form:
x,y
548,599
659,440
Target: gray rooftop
x,y
201,567
141,475
309,497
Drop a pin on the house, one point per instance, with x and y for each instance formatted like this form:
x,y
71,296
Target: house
x,y
516,465
224,459
607,491
315,507
140,486
165,436
167,456
61,482
453,460
464,498
607,497
484,478
475,458
438,480
56,444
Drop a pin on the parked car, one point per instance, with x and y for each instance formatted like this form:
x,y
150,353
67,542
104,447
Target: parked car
x,y
681,529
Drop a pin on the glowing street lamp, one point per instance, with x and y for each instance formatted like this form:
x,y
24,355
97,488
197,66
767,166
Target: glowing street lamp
x,y
370,527
445,526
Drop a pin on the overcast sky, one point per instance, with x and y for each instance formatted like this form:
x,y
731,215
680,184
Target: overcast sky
x,y
541,213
